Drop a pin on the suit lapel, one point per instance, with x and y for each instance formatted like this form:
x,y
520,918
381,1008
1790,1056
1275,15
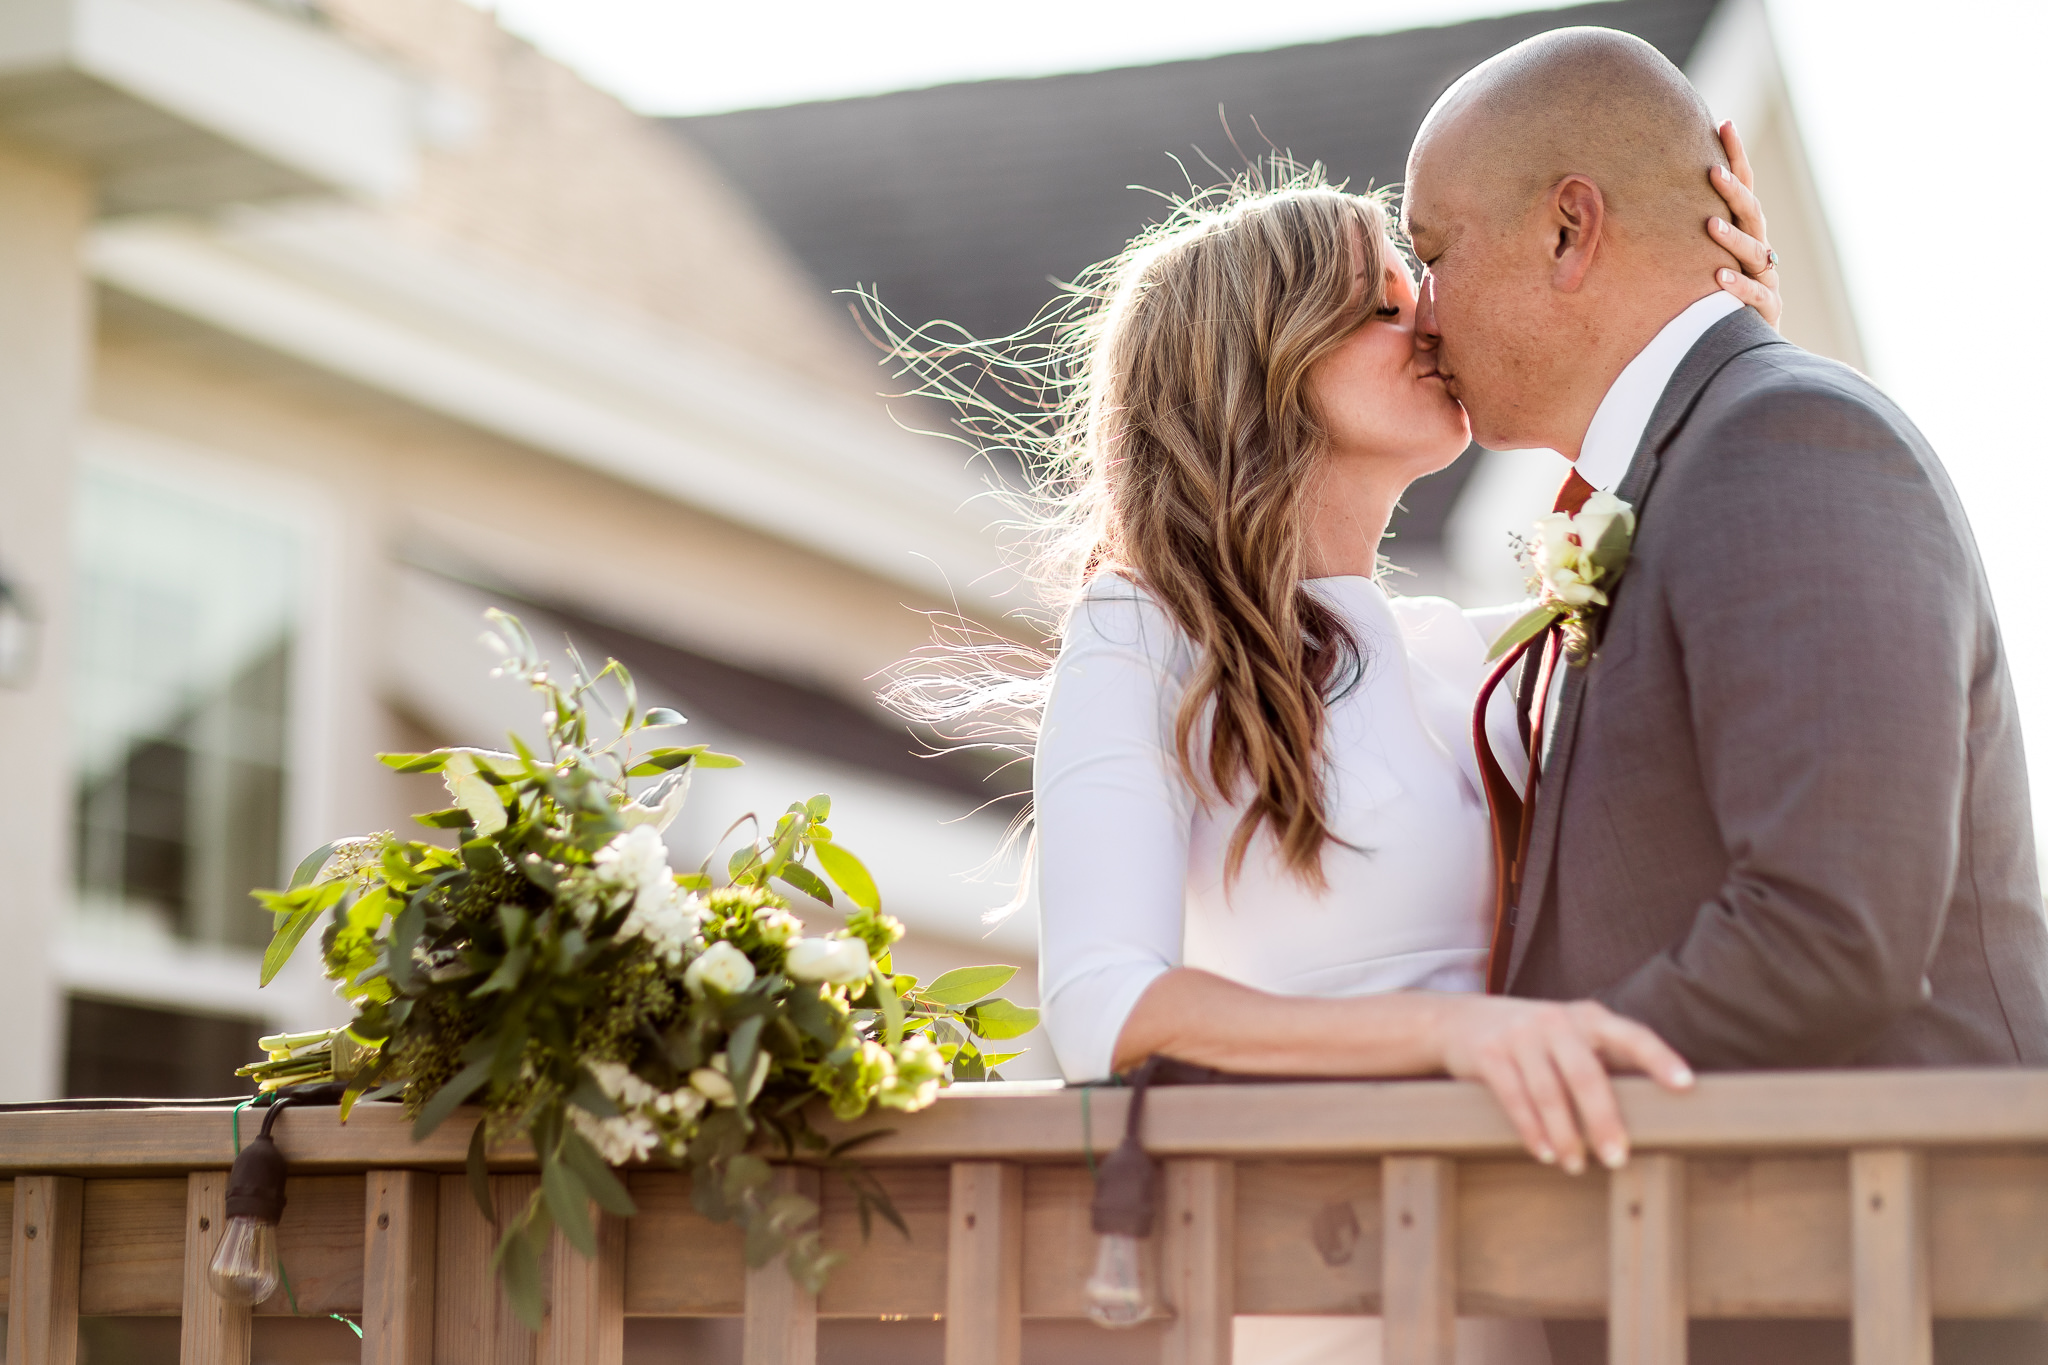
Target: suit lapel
x,y
1738,332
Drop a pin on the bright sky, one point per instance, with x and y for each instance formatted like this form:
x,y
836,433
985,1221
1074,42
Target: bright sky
x,y
1924,123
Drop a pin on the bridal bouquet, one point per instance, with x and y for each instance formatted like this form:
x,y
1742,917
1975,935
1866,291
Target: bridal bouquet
x,y
551,967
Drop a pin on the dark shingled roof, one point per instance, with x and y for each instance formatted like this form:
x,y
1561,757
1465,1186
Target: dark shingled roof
x,y
962,202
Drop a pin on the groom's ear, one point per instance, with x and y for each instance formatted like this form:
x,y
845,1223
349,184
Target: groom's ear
x,y
1577,220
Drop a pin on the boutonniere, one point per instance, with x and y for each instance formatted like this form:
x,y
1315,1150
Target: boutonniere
x,y
1572,560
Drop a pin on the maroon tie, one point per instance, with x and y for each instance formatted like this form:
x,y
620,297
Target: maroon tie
x,y
1510,810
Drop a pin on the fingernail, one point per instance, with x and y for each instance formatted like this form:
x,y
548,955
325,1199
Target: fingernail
x,y
1575,1164
1727,277
1683,1076
1546,1156
1720,227
1614,1156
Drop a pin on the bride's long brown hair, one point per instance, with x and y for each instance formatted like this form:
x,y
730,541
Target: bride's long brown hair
x,y
1175,444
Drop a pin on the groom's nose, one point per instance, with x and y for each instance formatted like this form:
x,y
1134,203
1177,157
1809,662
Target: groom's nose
x,y
1426,335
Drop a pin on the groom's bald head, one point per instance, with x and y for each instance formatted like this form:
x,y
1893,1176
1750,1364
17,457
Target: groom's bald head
x,y
1585,101
1558,195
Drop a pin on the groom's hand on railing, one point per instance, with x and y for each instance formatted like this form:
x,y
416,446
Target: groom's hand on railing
x,y
1548,1065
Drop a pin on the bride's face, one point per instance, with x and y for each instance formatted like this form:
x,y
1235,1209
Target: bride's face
x,y
1378,396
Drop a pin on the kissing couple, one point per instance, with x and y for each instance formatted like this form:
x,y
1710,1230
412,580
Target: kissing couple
x,y
1742,788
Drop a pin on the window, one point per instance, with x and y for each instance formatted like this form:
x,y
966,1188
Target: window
x,y
115,1049
186,613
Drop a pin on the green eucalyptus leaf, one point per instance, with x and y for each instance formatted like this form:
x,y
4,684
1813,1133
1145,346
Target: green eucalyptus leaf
x,y
405,934
998,1019
884,989
309,866
1525,628
658,716
847,872
711,760
806,881
740,1050
569,1203
455,817
656,761
416,763
965,985
517,1262
449,1097
479,1175
605,1187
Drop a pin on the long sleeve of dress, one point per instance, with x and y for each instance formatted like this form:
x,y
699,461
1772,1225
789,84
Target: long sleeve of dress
x,y
1113,820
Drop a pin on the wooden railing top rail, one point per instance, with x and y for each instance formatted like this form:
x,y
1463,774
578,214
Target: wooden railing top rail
x,y
1786,1111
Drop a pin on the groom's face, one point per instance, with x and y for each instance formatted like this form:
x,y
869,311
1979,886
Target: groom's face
x,y
1486,307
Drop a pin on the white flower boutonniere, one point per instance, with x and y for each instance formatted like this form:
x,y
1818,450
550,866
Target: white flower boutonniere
x,y
1572,562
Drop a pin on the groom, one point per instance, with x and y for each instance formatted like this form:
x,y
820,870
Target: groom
x,y
1781,815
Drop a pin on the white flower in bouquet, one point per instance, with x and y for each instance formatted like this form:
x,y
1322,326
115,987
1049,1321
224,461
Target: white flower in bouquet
x,y
685,1104
778,928
919,1072
714,1082
670,927
722,968
621,1085
658,806
628,1137
839,961
638,861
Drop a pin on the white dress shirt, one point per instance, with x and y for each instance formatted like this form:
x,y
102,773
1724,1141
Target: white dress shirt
x,y
1606,453
1624,414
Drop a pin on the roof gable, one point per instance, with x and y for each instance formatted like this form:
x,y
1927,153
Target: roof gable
x,y
962,202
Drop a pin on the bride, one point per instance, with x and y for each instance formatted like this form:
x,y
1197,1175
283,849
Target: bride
x,y
1261,840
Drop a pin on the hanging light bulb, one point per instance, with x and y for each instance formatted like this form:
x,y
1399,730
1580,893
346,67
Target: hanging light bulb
x,y
244,1266
1121,1292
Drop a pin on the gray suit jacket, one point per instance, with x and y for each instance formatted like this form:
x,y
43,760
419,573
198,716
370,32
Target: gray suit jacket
x,y
1784,821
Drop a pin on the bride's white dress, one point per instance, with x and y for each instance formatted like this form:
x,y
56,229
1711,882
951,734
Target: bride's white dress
x,y
1130,863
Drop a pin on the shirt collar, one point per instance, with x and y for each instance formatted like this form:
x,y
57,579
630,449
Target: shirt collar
x,y
1624,414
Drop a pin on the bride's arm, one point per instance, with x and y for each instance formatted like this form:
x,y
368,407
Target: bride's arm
x,y
1546,1062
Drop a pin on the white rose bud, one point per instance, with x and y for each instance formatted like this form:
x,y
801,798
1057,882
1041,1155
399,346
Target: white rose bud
x,y
714,1086
722,968
1603,504
840,961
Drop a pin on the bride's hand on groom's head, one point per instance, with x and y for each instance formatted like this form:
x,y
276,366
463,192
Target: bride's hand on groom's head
x,y
1548,1065
1743,234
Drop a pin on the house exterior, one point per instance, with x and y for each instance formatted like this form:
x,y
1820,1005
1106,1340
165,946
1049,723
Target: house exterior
x,y
324,326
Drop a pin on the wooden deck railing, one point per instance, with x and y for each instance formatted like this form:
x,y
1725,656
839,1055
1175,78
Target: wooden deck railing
x,y
1886,1198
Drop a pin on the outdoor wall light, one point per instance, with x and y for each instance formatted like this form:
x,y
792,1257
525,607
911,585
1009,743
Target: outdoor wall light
x,y
244,1266
20,637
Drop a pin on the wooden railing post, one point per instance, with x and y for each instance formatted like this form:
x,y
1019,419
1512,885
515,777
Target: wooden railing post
x,y
473,1321
1198,1261
1892,1319
212,1331
781,1326
1419,1266
1646,1284
398,1267
985,1264
586,1323
42,1309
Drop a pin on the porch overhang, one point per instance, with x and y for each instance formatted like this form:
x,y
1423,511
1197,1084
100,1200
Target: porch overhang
x,y
191,104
